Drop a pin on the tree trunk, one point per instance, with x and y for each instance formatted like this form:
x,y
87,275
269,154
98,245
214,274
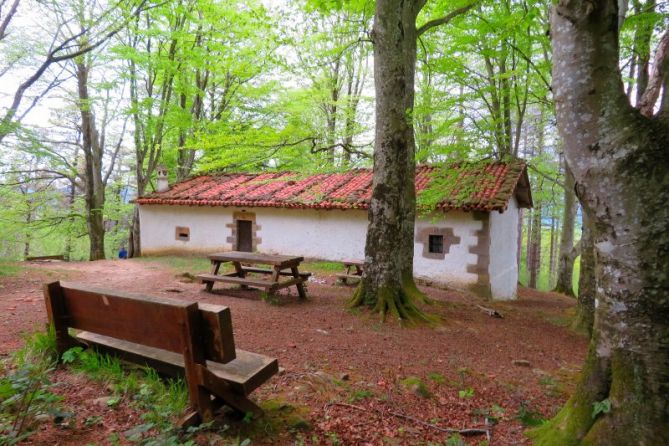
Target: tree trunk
x,y
535,247
28,221
94,190
551,253
585,309
621,165
134,241
642,36
388,285
528,242
568,253
519,248
71,219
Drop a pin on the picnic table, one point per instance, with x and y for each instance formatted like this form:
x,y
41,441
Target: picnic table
x,y
353,270
279,266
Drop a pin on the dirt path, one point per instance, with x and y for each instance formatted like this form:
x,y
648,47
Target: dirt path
x,y
332,354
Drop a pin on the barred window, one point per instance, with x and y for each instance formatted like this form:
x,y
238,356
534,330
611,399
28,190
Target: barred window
x,y
436,244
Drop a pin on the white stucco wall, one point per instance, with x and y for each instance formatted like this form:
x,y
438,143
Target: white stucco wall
x,y
503,267
319,234
330,235
452,269
208,232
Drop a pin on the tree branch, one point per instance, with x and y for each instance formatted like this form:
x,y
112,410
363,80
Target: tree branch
x,y
660,62
6,123
8,18
445,19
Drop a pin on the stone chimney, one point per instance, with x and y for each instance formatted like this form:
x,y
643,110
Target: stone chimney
x,y
163,185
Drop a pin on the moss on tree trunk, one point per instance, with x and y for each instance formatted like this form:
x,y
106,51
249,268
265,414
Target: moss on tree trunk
x,y
621,165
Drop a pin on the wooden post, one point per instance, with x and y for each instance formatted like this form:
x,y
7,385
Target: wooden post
x,y
194,358
55,310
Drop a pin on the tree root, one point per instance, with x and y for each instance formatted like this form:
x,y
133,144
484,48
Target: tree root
x,y
400,304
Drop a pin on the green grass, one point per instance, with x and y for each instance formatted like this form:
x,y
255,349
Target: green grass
x,y
180,264
160,401
9,269
322,267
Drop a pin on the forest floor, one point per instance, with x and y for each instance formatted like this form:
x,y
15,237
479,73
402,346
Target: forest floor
x,y
345,376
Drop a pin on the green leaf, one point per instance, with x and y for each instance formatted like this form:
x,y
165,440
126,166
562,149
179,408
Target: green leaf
x,y
601,407
71,355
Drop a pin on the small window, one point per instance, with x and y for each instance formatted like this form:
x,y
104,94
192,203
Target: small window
x,y
183,233
436,244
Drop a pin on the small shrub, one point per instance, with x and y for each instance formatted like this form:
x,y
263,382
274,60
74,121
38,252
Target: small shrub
x,y
466,393
492,414
272,299
437,377
455,440
463,372
529,417
417,386
359,395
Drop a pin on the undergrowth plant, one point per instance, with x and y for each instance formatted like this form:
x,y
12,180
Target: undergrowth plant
x,y
25,389
26,397
161,401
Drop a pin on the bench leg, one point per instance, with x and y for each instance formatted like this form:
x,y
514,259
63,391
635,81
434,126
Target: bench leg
x,y
239,269
223,395
300,286
215,266
55,308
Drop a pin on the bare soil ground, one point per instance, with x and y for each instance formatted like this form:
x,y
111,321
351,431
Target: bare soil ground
x,y
333,355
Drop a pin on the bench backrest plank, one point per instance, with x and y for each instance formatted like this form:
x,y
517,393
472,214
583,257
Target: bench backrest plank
x,y
151,321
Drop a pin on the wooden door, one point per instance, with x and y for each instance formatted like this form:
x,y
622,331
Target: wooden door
x,y
244,235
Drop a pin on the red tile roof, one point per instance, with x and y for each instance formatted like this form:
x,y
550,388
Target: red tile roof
x,y
469,186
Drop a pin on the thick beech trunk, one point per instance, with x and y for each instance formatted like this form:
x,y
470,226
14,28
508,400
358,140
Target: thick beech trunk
x,y
568,252
585,309
388,285
621,164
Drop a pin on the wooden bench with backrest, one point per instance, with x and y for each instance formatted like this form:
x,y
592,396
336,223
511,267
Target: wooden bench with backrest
x,y
177,338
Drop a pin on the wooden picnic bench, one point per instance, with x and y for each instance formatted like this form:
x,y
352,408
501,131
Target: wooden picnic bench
x,y
279,266
39,258
352,270
175,337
